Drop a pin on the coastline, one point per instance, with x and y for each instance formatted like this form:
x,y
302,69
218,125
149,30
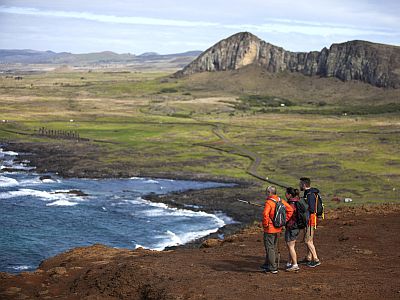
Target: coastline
x,y
48,159
223,269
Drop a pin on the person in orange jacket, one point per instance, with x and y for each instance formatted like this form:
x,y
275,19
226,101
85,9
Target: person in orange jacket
x,y
271,233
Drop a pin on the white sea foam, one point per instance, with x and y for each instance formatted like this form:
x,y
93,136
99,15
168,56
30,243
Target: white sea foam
x,y
48,181
136,178
175,212
26,182
7,182
151,181
193,235
21,167
29,192
61,203
21,268
10,153
161,209
43,195
171,239
168,239
227,219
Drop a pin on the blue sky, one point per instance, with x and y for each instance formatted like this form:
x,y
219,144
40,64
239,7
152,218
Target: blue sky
x,y
139,26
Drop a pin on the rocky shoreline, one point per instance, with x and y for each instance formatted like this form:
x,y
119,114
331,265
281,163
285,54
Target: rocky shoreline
x,y
352,266
50,159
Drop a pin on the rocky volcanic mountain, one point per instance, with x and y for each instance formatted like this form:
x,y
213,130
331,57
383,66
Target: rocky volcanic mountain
x,y
373,63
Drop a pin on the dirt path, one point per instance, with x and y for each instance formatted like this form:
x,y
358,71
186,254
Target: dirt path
x,y
358,248
240,150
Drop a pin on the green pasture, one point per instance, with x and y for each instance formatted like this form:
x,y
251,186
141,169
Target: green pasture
x,y
151,121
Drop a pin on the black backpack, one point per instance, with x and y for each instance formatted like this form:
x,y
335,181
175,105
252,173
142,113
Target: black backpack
x,y
319,205
302,213
279,219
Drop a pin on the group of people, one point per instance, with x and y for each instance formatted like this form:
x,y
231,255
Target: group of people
x,y
293,227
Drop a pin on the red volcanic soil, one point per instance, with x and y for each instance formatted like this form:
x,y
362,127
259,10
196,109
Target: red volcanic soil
x,y
359,249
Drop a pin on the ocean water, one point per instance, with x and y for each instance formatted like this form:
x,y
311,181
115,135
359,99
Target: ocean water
x,y
39,218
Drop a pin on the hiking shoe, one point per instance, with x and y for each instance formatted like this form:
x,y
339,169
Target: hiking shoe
x,y
264,267
288,265
305,261
271,271
293,268
313,264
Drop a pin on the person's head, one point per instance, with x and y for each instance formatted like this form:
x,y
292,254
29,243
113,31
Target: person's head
x,y
305,183
292,193
271,190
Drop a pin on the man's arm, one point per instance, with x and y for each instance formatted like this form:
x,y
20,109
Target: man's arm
x,y
266,218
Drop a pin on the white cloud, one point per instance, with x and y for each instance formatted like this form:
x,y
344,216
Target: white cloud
x,y
310,28
176,26
272,25
103,18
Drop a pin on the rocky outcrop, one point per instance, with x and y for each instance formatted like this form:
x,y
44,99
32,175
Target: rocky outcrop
x,y
373,63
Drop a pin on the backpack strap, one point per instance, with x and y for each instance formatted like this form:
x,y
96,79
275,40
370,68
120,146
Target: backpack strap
x,y
315,210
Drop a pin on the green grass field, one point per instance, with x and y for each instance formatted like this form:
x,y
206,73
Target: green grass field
x,y
349,148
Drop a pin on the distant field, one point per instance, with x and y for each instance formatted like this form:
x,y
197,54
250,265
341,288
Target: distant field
x,y
344,136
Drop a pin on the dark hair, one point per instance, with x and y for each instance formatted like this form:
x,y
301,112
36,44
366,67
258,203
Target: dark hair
x,y
293,192
306,181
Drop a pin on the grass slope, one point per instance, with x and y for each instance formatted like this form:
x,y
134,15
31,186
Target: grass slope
x,y
345,136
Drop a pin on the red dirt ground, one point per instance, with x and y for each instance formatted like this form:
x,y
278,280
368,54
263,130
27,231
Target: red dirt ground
x,y
359,249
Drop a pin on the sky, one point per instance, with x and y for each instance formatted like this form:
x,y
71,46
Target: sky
x,y
174,26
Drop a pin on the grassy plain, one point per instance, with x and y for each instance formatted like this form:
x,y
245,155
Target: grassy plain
x,y
345,136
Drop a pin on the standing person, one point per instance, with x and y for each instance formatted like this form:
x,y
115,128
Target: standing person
x,y
292,230
271,233
311,195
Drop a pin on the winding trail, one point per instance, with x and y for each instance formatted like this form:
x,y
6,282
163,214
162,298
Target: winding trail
x,y
217,130
241,151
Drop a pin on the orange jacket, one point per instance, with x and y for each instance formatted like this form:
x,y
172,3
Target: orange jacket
x,y
269,213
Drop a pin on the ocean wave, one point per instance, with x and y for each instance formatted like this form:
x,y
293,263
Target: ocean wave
x,y
176,212
170,239
151,181
43,195
193,235
9,153
21,167
29,192
162,210
21,268
61,203
7,182
224,217
48,180
34,181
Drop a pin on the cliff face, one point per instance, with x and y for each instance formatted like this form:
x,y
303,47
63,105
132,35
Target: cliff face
x,y
376,64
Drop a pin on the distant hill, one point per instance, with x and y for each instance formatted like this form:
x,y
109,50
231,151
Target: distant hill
x,y
106,57
376,64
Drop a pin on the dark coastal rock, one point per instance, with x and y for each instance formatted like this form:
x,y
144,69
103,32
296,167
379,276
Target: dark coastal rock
x,y
8,170
44,177
74,192
376,64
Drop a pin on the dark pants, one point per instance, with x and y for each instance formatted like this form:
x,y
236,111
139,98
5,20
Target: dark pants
x,y
270,244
